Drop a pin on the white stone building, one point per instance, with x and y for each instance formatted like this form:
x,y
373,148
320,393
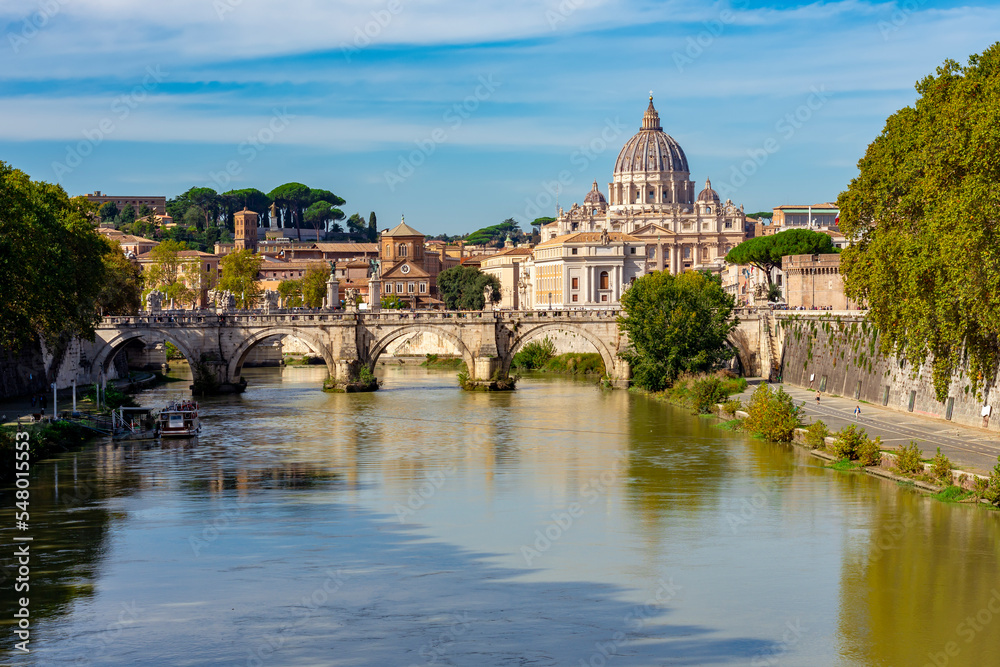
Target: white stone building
x,y
585,269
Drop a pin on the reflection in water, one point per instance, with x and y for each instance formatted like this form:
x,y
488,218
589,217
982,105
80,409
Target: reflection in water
x,y
425,525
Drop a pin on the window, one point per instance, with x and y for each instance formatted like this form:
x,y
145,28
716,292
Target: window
x,y
574,298
631,251
604,297
572,251
604,281
411,288
402,250
423,288
399,288
729,225
652,251
388,288
687,252
576,284
388,249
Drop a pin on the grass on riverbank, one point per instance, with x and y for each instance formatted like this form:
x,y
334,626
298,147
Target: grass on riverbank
x,y
446,363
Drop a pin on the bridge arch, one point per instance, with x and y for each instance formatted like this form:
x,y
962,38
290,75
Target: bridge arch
x,y
113,346
531,333
240,354
376,349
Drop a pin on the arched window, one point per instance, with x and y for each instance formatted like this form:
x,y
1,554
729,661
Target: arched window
x,y
388,249
604,280
402,250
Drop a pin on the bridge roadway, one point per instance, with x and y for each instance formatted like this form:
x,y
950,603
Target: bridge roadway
x,y
217,344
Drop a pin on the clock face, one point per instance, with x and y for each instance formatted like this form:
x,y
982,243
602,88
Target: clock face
x,y
405,268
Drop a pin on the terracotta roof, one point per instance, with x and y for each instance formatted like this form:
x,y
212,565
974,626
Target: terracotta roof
x,y
347,247
509,251
183,253
589,237
403,229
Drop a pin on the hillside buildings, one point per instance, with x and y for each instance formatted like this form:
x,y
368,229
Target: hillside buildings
x,y
156,203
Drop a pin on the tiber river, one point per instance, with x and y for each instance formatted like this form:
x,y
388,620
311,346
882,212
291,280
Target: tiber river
x,y
556,525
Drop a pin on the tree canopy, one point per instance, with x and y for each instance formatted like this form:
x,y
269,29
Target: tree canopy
x,y
765,252
922,216
314,285
496,234
239,276
675,324
52,261
462,288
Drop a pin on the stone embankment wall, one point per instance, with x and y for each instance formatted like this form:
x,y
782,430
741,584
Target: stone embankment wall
x,y
839,354
29,371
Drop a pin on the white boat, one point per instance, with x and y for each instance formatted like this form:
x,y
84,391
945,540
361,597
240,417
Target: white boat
x,y
179,420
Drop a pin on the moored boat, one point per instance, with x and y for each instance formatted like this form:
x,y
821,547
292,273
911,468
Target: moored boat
x,y
179,420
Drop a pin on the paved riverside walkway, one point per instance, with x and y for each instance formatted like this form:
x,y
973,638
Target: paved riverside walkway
x,y
969,448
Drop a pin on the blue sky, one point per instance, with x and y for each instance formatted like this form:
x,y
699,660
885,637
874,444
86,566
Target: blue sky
x,y
460,114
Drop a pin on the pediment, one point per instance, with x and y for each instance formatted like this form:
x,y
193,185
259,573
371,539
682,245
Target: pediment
x,y
652,229
412,271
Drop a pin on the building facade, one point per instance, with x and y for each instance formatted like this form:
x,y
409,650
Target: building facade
x,y
813,282
652,198
815,216
512,267
245,230
158,204
585,269
406,272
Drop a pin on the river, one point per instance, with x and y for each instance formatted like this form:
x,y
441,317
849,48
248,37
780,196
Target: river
x,y
555,525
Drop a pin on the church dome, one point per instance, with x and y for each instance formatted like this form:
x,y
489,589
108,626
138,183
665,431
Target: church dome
x,y
708,194
595,196
652,149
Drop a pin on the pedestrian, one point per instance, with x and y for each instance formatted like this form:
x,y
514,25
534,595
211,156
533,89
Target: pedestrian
x,y
33,399
817,398
857,411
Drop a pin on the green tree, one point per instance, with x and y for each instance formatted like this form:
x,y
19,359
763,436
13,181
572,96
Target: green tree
x,y
291,293
293,197
164,272
121,289
356,226
675,324
463,288
314,285
765,252
239,276
372,228
925,256
392,302
208,201
145,211
126,217
321,213
108,211
495,235
51,261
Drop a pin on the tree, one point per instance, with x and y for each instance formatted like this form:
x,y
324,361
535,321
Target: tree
x,y
392,302
127,216
164,271
193,217
314,285
207,200
372,228
922,216
145,211
51,262
356,226
108,211
496,234
291,293
462,288
765,252
121,291
292,197
239,276
538,222
321,213
675,324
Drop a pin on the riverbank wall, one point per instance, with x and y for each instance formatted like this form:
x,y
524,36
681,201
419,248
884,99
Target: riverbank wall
x,y
33,368
838,353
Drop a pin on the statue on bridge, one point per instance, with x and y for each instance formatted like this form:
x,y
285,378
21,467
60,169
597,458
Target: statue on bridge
x,y
271,298
351,298
154,301
223,300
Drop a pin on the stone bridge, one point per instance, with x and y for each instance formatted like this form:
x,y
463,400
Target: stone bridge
x,y
216,345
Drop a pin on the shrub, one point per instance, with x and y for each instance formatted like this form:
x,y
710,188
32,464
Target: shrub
x,y
849,441
771,414
992,490
535,354
941,467
576,363
731,406
870,452
908,458
706,393
816,434
979,487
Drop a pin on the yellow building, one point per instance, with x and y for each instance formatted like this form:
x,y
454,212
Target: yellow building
x,y
512,267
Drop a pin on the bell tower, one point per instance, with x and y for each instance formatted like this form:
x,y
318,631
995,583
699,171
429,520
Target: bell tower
x,y
245,230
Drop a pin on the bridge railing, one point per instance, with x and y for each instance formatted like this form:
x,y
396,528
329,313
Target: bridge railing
x,y
245,318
